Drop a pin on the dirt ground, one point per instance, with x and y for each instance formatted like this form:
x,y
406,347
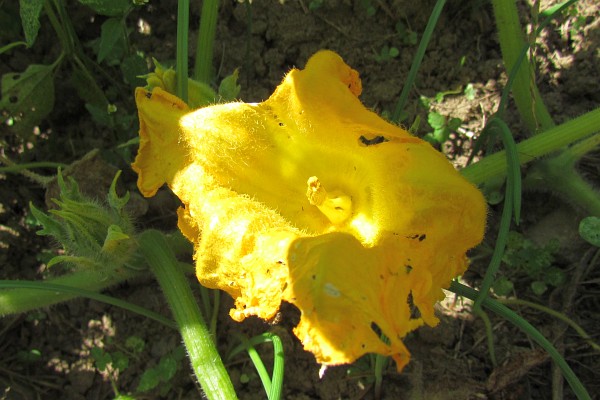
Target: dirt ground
x,y
265,40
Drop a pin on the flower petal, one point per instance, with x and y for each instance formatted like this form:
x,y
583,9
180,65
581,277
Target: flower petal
x,y
311,198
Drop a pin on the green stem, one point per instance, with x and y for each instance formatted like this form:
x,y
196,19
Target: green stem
x,y
23,169
16,301
272,386
248,60
558,315
183,24
549,14
380,362
525,92
205,359
41,164
9,46
263,374
78,292
489,333
414,68
206,41
528,329
215,311
59,27
581,148
494,166
558,174
512,204
554,176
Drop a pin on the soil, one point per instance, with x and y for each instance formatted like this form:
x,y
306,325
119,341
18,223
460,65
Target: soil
x,y
450,361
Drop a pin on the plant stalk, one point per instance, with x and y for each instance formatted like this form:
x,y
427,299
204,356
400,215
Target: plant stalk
x,y
530,331
553,176
206,41
15,301
206,362
525,92
414,68
494,166
183,25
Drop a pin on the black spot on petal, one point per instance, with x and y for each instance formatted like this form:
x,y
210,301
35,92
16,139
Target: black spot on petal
x,y
414,310
372,141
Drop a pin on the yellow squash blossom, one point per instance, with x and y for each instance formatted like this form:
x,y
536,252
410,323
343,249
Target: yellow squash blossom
x,y
310,198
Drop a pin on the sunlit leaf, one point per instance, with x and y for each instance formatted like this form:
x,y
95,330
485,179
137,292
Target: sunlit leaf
x,y
229,89
436,120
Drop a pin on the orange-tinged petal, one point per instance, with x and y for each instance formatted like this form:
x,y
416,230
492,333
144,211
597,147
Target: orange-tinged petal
x,y
160,155
310,198
340,288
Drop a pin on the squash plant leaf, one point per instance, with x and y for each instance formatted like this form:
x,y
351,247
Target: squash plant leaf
x,y
28,97
30,19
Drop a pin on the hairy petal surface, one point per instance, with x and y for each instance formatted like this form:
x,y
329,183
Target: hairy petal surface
x,y
310,198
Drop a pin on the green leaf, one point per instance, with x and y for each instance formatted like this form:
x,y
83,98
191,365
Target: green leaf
x,y
136,344
441,134
425,102
114,241
503,286
394,52
470,92
87,89
80,261
50,226
167,367
200,94
28,97
101,358
30,18
436,120
124,397
589,229
116,202
110,8
120,361
554,276
115,233
315,5
229,88
100,115
150,379
454,124
494,197
133,67
539,287
30,356
111,40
